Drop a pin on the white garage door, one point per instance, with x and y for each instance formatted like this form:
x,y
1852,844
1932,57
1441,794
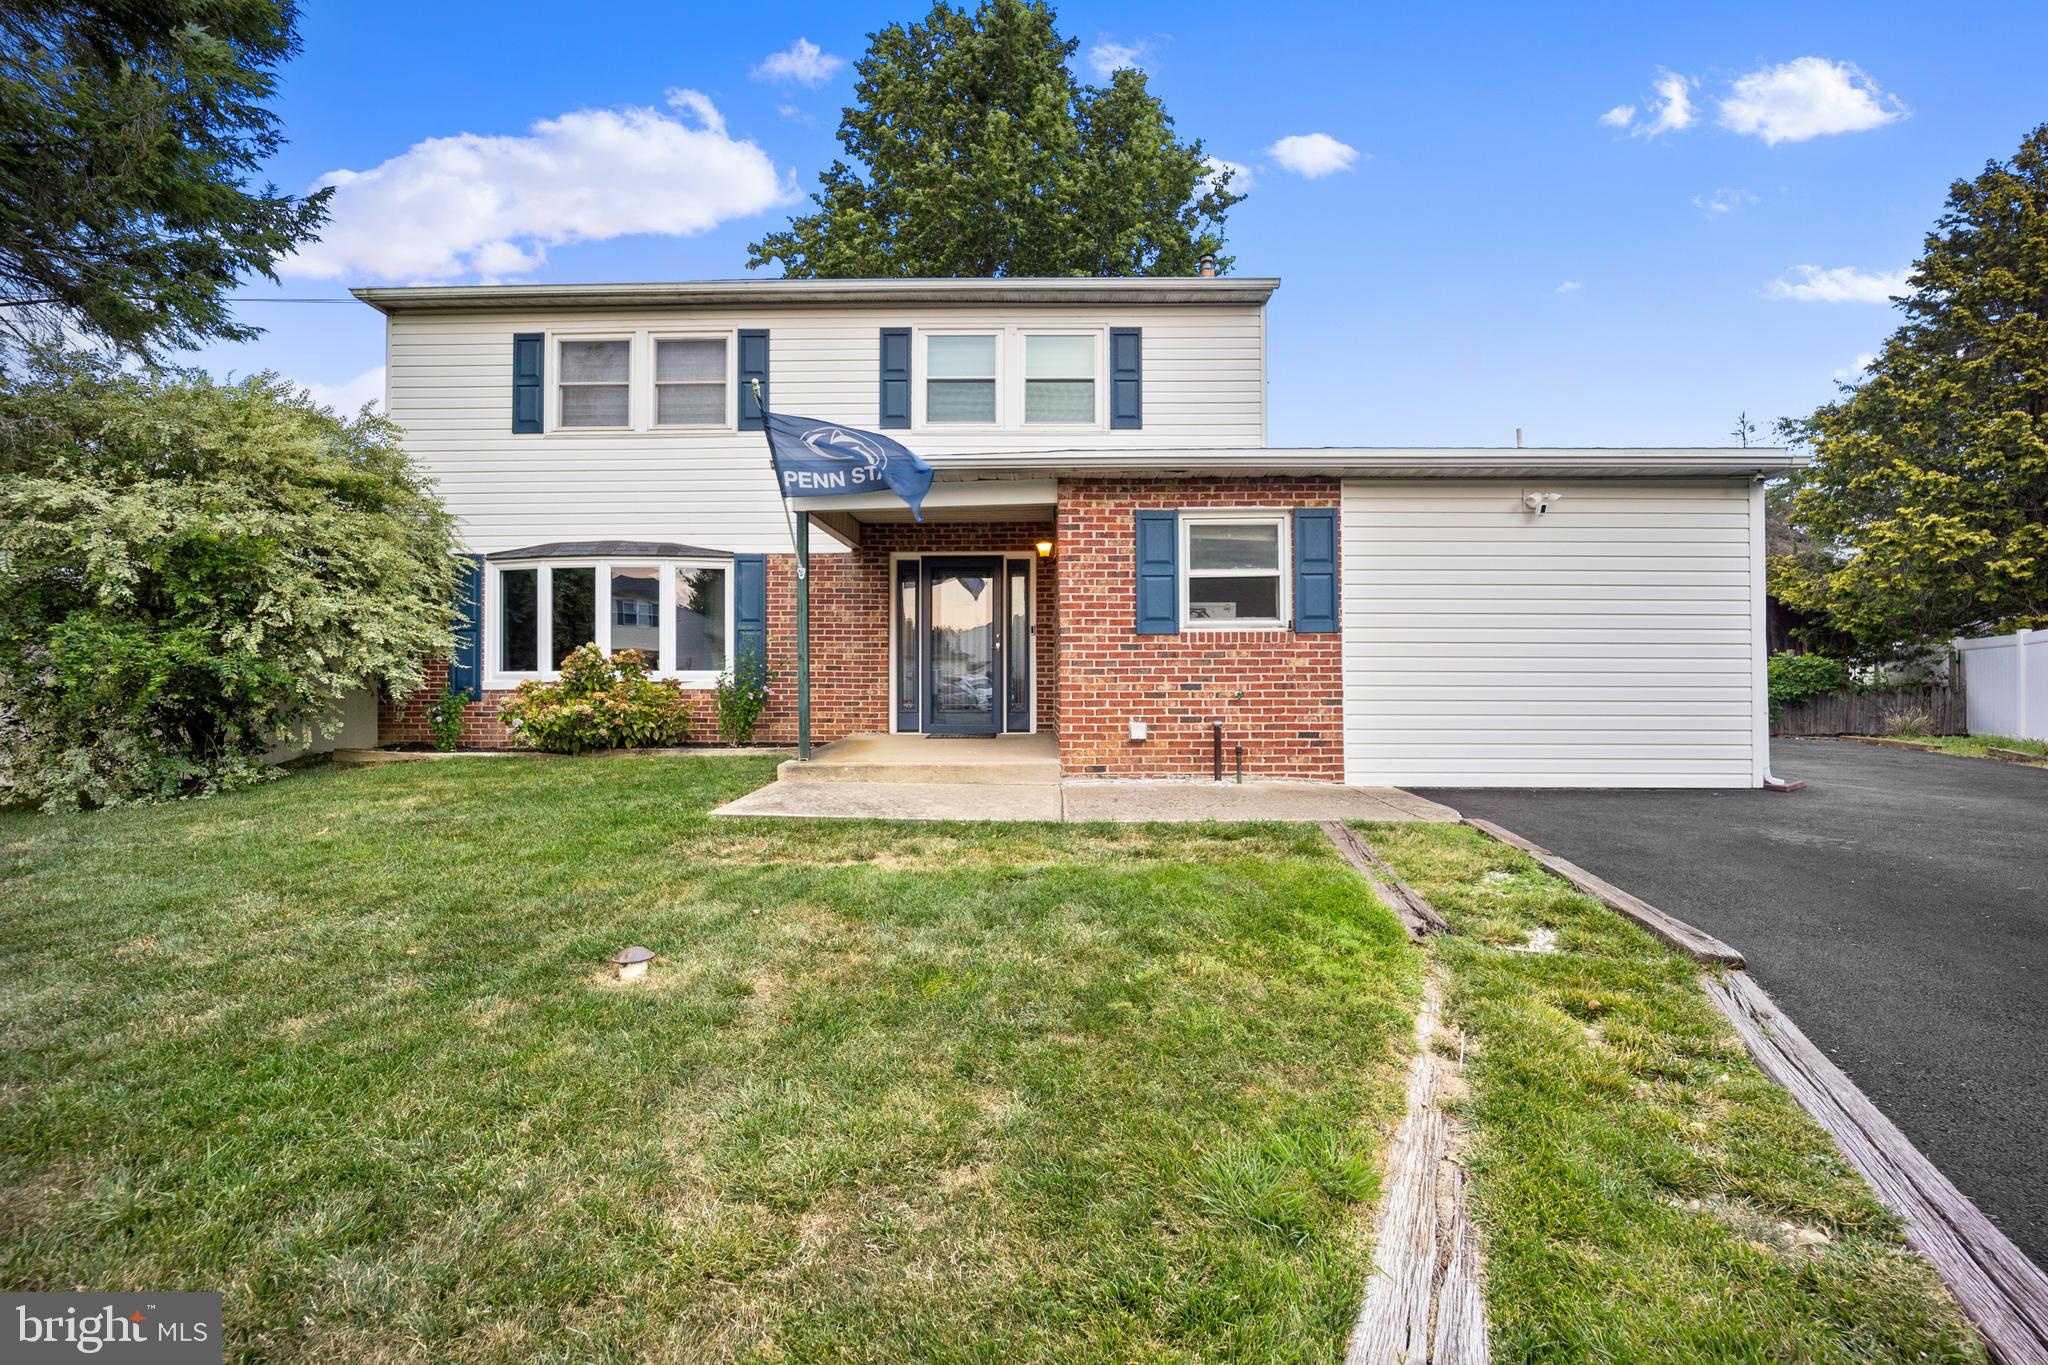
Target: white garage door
x,y
1616,641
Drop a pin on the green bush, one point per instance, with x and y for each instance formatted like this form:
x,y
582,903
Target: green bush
x,y
191,570
599,703
444,716
1795,677
742,696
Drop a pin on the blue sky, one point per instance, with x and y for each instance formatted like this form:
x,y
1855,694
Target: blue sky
x,y
1471,233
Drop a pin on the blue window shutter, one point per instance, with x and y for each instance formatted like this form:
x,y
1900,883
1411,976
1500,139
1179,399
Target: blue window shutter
x,y
466,664
753,365
529,350
1126,378
895,377
1158,547
750,605
1315,570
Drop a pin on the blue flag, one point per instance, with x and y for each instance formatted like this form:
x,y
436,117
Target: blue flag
x,y
815,459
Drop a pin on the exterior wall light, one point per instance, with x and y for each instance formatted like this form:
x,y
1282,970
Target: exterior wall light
x,y
1045,549
630,964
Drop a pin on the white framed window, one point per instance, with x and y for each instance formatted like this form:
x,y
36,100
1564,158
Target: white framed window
x,y
1011,378
691,381
678,612
594,382
1233,570
961,378
1060,378
648,381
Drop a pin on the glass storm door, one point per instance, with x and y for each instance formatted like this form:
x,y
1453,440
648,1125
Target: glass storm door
x,y
963,651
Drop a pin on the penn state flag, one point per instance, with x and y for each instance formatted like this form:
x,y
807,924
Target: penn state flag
x,y
815,459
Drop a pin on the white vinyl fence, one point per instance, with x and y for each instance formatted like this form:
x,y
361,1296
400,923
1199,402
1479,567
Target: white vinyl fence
x,y
2005,678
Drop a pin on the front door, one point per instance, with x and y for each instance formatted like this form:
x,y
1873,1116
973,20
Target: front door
x,y
963,646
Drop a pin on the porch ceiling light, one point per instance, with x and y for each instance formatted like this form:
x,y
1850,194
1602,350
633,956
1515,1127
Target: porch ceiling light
x,y
1045,549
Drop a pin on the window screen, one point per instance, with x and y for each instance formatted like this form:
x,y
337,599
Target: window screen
x,y
960,379
1059,379
596,383
689,382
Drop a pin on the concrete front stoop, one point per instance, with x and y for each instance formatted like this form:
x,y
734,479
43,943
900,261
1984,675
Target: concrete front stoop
x,y
1002,761
1017,777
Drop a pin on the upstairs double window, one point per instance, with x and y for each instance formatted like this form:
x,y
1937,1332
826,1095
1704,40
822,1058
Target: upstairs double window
x,y
643,381
1012,378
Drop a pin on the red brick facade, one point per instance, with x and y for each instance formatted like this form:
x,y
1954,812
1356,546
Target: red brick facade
x,y
1278,694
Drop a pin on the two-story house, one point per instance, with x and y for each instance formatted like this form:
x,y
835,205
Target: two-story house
x,y
1111,551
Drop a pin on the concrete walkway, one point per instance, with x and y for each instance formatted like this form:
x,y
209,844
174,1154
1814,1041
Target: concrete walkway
x,y
1116,802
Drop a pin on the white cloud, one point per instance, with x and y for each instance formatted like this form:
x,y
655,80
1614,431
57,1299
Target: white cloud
x,y
491,206
1240,174
1723,201
1620,116
803,61
1673,106
1853,373
348,397
1843,284
1807,98
1108,57
1314,155
1571,286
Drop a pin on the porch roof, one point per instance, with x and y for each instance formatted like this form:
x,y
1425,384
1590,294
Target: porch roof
x,y
1024,485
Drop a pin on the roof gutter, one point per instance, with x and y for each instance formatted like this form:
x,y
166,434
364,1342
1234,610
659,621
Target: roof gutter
x,y
1158,289
1379,462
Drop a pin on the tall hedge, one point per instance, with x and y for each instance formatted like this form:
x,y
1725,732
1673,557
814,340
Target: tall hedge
x,y
189,569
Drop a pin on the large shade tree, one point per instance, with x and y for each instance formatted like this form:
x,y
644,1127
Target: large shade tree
x,y
1928,499
130,131
973,151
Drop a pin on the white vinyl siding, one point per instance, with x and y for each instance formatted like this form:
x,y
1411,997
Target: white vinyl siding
x,y
1614,642
450,387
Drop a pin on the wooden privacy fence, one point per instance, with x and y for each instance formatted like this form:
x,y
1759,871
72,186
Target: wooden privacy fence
x,y
1943,710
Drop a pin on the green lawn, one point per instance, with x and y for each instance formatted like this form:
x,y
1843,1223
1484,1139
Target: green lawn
x,y
339,1047
1973,746
1643,1191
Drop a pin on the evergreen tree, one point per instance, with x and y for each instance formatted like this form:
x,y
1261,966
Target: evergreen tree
x,y
127,133
973,151
1928,500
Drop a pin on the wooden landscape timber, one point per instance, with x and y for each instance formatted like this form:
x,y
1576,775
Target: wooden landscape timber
x,y
1425,1303
1405,901
2002,1292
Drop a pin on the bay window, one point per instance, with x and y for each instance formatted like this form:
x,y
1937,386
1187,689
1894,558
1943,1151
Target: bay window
x,y
1233,569
675,612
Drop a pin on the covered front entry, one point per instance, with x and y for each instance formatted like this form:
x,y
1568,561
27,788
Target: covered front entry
x,y
962,645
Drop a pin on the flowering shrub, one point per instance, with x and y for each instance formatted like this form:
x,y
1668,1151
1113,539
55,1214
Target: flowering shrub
x,y
742,696
599,703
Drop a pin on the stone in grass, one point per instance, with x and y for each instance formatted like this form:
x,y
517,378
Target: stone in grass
x,y
630,964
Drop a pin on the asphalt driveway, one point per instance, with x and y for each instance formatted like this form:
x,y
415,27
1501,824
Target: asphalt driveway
x,y
1898,910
